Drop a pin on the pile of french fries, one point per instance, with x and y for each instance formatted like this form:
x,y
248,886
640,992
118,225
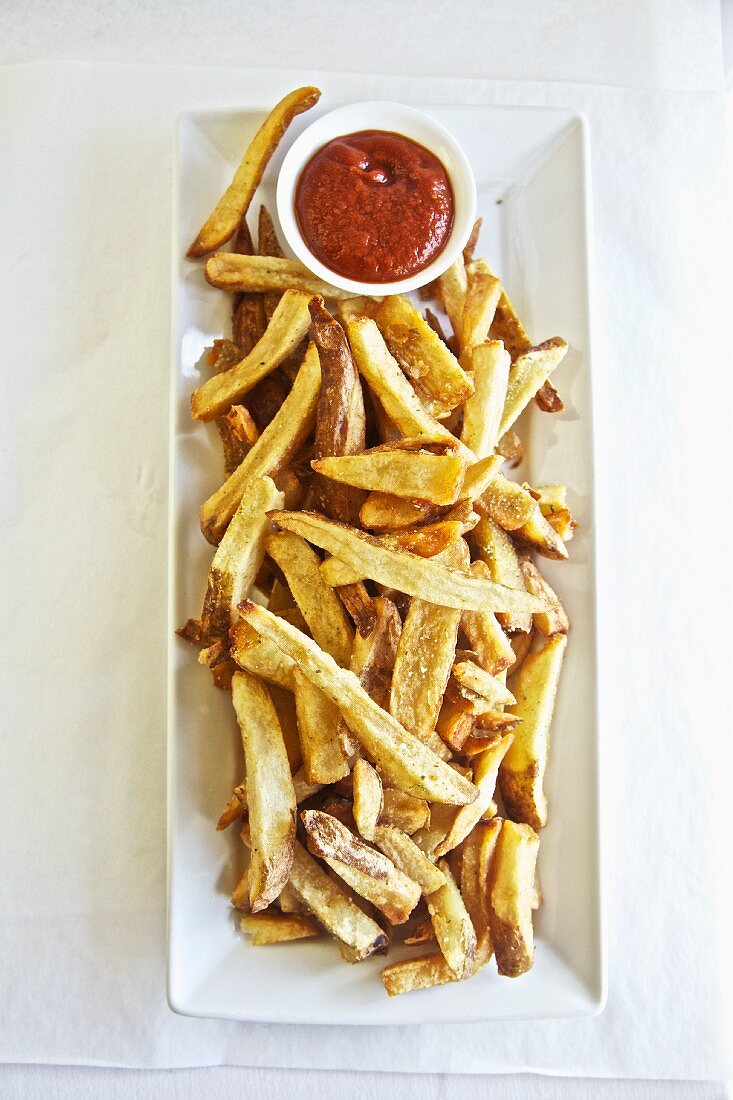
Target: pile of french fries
x,y
374,604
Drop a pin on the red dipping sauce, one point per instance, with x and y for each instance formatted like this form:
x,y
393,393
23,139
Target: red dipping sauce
x,y
374,206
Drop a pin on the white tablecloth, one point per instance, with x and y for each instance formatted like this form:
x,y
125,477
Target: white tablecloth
x,y
84,290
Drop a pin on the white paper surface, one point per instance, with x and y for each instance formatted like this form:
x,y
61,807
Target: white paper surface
x,y
86,225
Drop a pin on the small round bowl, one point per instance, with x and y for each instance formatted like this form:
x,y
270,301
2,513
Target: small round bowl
x,y
398,118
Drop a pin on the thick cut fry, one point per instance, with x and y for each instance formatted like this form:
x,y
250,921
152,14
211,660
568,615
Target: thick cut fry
x,y
507,503
497,551
435,478
340,422
270,792
260,656
485,772
267,928
479,307
367,799
324,760
522,771
238,558
360,607
527,374
287,328
235,201
381,370
359,935
512,895
387,512
330,839
404,761
406,572
406,855
265,275
476,863
321,607
421,973
403,811
482,412
485,636
555,619
479,476
452,289
421,353
471,676
453,929
273,450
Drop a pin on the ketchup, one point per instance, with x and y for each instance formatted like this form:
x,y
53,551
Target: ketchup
x,y
374,206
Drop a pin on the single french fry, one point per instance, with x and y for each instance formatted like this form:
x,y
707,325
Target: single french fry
x,y
482,411
507,503
403,811
404,761
359,935
521,645
260,656
429,836
485,772
367,799
273,450
527,374
539,533
496,549
284,704
267,928
410,859
321,607
507,327
471,676
485,635
240,893
387,512
421,353
482,297
455,723
477,857
478,478
554,620
270,793
238,558
373,656
453,929
435,478
265,275
452,289
512,895
235,201
238,433
420,973
288,326
232,812
552,500
522,773
324,759
288,901
406,572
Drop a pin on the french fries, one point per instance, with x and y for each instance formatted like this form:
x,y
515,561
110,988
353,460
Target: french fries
x,y
235,201
374,586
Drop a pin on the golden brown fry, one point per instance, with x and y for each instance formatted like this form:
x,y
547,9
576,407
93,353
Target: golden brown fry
x,y
472,241
452,289
453,929
319,604
478,478
240,894
485,636
267,928
404,761
435,478
260,656
289,902
404,811
423,356
324,760
367,799
359,935
485,772
349,308
287,328
477,857
420,973
410,859
512,894
475,679
522,773
507,327
521,645
238,433
373,656
482,412
455,723
387,512
554,620
268,245
234,203
507,503
273,450
232,812
539,533
482,297
527,374
270,792
496,549
406,572
265,275
238,558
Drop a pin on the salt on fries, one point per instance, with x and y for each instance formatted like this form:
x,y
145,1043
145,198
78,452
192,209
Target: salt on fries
x,y
395,695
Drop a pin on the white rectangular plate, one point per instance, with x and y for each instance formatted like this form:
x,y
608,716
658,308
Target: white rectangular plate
x,y
531,167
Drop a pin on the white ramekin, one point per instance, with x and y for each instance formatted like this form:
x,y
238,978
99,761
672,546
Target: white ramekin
x,y
398,118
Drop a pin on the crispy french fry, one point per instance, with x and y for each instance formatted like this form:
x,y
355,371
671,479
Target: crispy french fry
x,y
497,550
436,478
349,308
265,275
367,799
238,433
522,772
485,772
324,760
235,201
421,353
232,812
238,558
410,859
321,607
406,572
482,411
507,503
267,928
359,935
552,500
485,635
482,297
403,811
387,512
429,836
270,792
288,326
507,327
539,533
471,676
479,477
554,620
512,895
404,761
373,656
273,450
453,929
476,864
260,656
370,873
421,973
455,723
527,374
452,289
240,894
